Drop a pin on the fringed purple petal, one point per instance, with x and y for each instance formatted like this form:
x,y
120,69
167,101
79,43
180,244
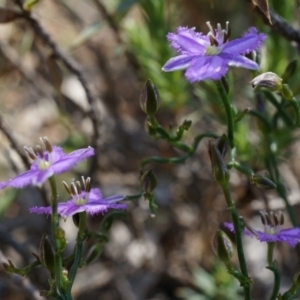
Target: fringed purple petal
x,y
187,41
290,236
230,227
97,208
82,154
71,160
240,62
40,210
95,195
206,68
179,62
114,199
250,41
22,180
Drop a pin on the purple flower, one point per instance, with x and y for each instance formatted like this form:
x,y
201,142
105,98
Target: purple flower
x,y
272,230
89,200
208,56
47,162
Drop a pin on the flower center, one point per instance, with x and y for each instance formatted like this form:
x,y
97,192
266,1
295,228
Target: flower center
x,y
217,38
79,197
212,50
272,223
42,157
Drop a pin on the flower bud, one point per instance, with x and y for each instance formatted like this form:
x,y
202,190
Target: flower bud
x,y
219,168
268,80
149,98
186,124
46,254
148,181
223,247
262,182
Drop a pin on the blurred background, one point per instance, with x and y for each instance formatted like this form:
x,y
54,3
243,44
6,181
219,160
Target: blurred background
x,y
116,45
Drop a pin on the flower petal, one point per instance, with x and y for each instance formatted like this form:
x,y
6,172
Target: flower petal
x,y
179,62
41,210
207,67
96,208
23,180
239,61
71,160
187,41
250,41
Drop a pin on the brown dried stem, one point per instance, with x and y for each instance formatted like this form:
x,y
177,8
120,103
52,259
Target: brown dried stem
x,y
75,68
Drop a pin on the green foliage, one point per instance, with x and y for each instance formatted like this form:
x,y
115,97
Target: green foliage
x,y
147,40
217,285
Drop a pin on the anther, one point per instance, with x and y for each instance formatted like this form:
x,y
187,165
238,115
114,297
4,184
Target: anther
x,y
88,185
275,219
30,152
263,218
269,221
210,29
67,188
47,144
213,41
228,30
219,30
73,189
281,220
78,186
39,151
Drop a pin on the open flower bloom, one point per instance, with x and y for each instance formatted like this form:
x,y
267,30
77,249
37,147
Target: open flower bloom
x,y
272,230
88,200
47,162
208,56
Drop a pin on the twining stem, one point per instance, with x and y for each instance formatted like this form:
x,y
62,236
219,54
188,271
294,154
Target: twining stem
x,y
228,110
79,247
239,244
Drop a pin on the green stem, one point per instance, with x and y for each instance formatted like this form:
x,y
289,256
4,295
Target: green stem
x,y
239,244
296,106
271,247
272,266
271,163
228,109
79,247
285,117
173,160
54,229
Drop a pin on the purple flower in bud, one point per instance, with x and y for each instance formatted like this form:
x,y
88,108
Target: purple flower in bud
x,y
272,230
209,56
88,200
47,161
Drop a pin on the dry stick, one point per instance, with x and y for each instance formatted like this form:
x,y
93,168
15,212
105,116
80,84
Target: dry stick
x,y
5,129
281,26
75,68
